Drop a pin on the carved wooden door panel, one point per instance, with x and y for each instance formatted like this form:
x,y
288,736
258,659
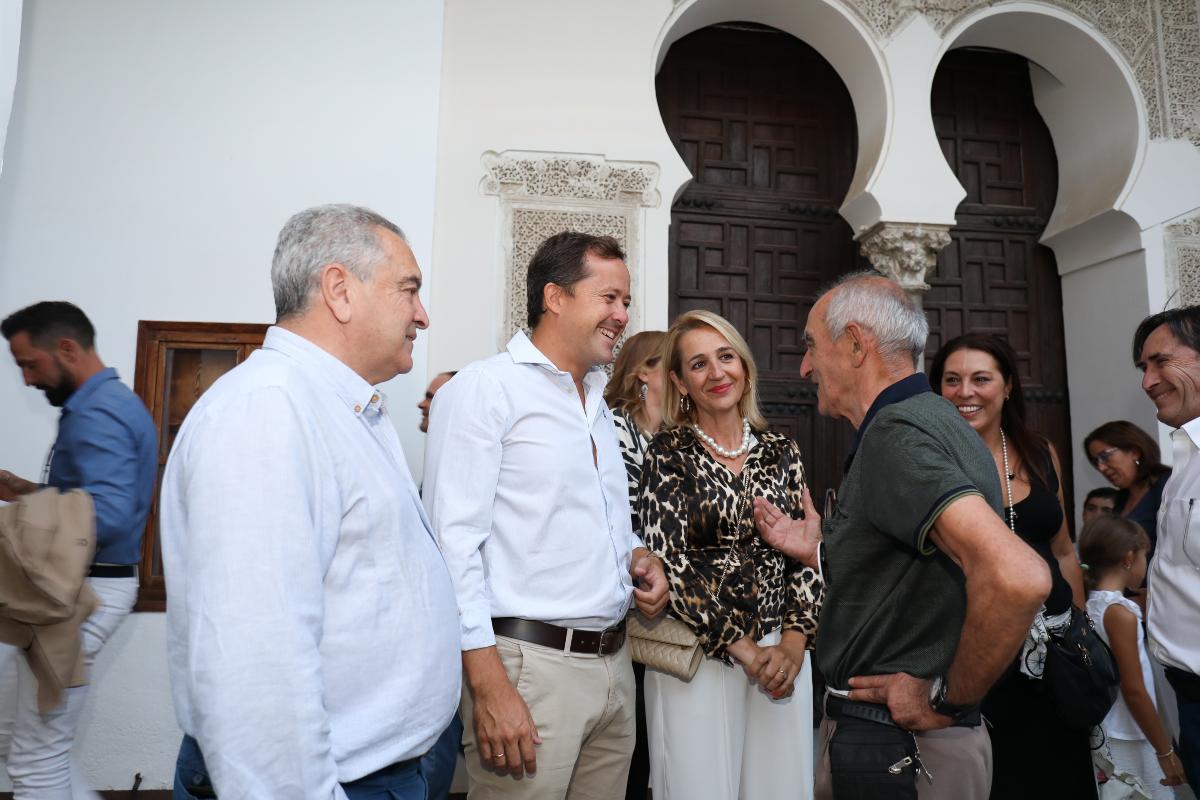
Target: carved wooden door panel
x,y
994,277
767,129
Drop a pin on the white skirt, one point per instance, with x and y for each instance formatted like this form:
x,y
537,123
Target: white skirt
x,y
720,737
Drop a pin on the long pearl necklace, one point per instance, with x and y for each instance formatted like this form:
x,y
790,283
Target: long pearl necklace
x,y
721,451
1012,514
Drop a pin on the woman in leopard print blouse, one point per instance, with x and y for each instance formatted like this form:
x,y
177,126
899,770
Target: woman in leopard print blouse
x,y
729,733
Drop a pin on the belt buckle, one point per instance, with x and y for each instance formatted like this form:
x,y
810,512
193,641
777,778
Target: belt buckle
x,y
607,637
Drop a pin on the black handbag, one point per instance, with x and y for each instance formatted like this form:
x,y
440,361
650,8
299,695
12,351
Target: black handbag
x,y
1081,674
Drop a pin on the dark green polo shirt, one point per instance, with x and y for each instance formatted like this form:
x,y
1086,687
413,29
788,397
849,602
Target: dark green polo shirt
x,y
894,602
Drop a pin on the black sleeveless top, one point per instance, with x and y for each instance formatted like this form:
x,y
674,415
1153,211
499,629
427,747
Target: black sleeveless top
x,y
1038,519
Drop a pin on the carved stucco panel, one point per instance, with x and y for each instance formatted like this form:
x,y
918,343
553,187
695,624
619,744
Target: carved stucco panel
x,y
1183,260
542,194
1180,21
531,227
1168,74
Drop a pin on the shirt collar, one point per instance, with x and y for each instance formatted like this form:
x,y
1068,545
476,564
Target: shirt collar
x,y
523,351
358,395
901,390
81,395
1191,429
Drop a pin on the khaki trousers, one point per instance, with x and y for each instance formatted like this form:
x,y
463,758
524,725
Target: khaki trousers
x,y
583,707
959,758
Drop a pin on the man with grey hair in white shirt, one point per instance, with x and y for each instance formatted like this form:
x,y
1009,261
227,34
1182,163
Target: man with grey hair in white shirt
x,y
527,491
312,638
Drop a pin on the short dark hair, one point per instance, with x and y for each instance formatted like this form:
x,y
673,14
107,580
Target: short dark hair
x,y
1101,493
1184,324
561,260
48,321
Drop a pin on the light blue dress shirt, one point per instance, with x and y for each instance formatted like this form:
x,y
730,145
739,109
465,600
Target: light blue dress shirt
x,y
312,636
107,446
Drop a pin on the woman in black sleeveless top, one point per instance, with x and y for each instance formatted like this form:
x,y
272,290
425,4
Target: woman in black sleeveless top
x,y
1034,754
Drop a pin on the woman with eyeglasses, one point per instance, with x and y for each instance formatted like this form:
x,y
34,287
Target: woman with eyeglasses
x,y
1035,754
1130,460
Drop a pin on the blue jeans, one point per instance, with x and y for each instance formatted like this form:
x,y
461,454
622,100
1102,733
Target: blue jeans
x,y
438,764
401,781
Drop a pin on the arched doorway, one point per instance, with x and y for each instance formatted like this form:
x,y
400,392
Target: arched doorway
x,y
767,129
995,277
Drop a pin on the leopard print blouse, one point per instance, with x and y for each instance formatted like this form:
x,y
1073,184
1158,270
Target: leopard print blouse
x,y
725,581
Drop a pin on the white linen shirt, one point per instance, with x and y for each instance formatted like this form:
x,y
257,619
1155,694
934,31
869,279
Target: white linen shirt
x,y
1173,613
530,526
311,630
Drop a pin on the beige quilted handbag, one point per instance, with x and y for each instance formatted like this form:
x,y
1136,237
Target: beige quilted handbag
x,y
664,644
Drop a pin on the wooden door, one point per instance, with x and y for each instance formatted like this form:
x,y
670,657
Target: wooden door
x,y
767,128
994,277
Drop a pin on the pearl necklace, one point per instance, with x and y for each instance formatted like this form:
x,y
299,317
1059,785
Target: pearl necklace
x,y
1012,514
721,451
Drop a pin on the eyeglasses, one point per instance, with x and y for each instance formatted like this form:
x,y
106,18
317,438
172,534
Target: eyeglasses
x,y
1103,456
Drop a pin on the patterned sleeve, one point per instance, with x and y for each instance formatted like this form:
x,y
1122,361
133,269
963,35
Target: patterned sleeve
x,y
692,578
631,453
804,588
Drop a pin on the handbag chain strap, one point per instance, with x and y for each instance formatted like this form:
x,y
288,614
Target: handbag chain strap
x,y
732,551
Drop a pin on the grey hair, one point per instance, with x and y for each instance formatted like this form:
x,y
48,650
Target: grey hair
x,y
882,307
319,236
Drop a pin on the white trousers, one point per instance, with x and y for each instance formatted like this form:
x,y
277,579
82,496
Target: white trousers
x,y
37,747
720,737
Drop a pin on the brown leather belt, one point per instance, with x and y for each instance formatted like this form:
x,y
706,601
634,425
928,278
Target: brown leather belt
x,y
571,640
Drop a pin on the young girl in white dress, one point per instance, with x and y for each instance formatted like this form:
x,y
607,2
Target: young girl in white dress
x,y
1113,550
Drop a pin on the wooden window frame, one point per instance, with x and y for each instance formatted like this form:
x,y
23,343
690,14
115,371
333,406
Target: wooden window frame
x,y
154,340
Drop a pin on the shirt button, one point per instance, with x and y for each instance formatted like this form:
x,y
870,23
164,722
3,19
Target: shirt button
x,y
374,398
357,408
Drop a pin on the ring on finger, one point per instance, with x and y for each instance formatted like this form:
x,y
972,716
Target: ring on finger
x,y
498,755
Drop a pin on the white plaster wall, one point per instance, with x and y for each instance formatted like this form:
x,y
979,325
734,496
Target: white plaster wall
x,y
539,75
1108,300
154,151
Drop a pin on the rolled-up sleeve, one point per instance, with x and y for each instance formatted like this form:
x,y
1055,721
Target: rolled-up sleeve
x,y
463,457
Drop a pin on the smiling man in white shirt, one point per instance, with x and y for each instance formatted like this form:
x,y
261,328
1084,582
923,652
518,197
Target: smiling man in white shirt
x,y
1166,348
312,639
527,491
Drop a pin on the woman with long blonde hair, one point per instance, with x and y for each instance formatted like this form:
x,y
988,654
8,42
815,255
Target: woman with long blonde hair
x,y
728,733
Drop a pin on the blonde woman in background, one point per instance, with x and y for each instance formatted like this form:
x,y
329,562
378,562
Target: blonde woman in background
x,y
729,733
634,395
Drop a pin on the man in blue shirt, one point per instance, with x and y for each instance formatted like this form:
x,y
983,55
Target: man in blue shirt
x,y
106,445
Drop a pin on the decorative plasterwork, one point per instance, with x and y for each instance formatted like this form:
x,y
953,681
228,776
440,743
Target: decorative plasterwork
x,y
1183,260
1159,40
573,177
542,194
904,252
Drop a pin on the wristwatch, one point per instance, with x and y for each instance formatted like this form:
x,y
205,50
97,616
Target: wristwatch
x,y
938,702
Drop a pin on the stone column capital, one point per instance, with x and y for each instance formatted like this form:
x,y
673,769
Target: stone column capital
x,y
905,252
